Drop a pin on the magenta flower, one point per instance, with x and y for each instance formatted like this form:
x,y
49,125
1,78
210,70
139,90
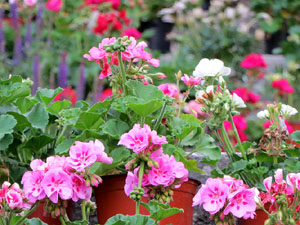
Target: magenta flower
x,y
33,189
194,108
57,183
132,32
131,181
178,170
212,195
253,61
241,203
80,190
98,150
54,5
293,179
191,81
136,139
14,199
169,89
81,156
283,86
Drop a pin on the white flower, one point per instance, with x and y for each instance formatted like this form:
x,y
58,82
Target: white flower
x,y
200,93
263,114
210,68
288,111
238,101
30,2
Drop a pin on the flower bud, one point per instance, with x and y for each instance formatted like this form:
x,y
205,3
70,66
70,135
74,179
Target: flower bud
x,y
268,222
178,75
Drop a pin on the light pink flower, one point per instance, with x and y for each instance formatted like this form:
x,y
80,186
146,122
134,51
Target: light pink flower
x,y
98,150
14,199
32,186
57,183
268,183
194,108
293,179
169,89
279,176
37,164
212,195
191,81
81,156
54,5
178,170
136,139
30,2
80,190
241,203
95,54
131,181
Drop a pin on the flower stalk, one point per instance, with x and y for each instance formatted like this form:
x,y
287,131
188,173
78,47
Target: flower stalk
x,y
123,73
141,174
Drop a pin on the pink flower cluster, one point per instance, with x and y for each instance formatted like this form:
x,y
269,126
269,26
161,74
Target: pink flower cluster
x,y
13,197
169,172
191,81
65,177
134,52
169,89
241,125
226,195
194,108
54,5
279,187
254,62
115,3
247,95
283,86
142,139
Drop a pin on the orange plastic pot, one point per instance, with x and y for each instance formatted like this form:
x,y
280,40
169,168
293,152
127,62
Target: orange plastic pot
x,y
111,200
39,213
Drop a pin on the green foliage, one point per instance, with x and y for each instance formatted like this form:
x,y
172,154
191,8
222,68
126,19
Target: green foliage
x,y
120,219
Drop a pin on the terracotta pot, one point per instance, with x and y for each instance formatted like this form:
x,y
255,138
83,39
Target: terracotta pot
x,y
111,200
39,213
259,219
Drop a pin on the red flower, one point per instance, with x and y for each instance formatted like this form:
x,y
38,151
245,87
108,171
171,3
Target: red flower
x,y
241,125
283,86
68,94
254,61
106,94
132,32
54,5
246,95
115,3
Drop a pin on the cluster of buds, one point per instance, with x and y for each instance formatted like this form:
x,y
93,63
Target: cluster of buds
x,y
137,193
55,209
144,157
161,194
221,219
120,45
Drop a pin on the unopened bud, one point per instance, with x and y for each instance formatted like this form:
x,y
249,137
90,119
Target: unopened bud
x,y
178,75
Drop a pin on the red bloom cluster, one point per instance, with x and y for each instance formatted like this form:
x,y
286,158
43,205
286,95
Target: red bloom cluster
x,y
115,3
68,94
254,62
132,32
241,125
283,86
114,21
247,95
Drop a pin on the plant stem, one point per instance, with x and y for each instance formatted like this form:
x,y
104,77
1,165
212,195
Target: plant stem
x,y
21,221
61,134
226,140
83,210
123,73
242,150
161,114
275,160
141,173
62,220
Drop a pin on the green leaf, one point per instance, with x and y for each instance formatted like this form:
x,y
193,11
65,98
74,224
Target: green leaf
x,y
145,92
38,116
296,136
191,164
206,147
7,123
271,26
159,211
70,116
83,105
100,107
238,166
89,135
6,141
22,121
115,128
47,95
34,221
145,109
292,164
64,147
120,219
57,106
35,143
180,128
25,104
89,120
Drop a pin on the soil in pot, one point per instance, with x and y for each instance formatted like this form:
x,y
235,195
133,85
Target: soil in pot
x,y
111,200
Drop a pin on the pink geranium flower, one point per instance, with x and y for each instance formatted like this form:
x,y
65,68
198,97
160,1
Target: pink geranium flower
x,y
283,86
80,190
14,199
169,89
81,156
212,195
54,5
131,181
293,179
136,139
191,81
241,203
33,189
98,150
132,32
253,61
57,183
194,108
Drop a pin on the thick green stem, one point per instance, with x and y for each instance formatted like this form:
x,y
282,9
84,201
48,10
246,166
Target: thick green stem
x,y
226,140
222,142
62,220
161,114
141,174
275,160
83,210
123,73
238,138
21,221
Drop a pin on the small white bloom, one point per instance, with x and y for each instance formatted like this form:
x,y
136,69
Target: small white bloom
x,y
288,111
238,101
263,114
200,93
256,195
210,68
